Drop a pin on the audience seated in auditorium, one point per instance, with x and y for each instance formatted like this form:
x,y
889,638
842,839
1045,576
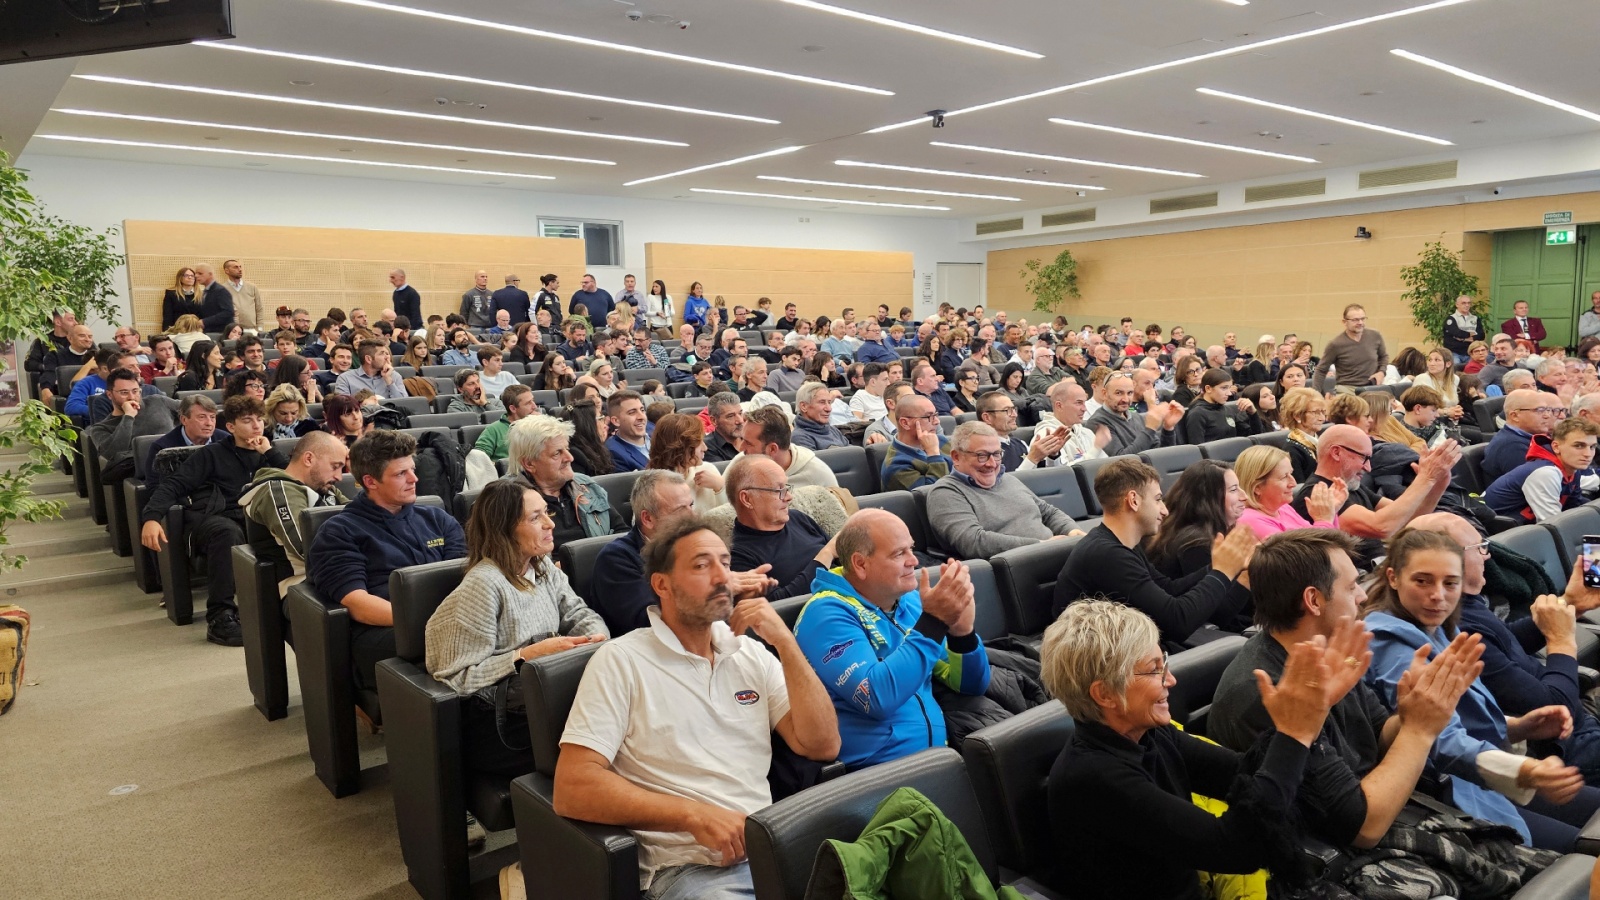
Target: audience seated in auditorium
x,y
1209,420
925,379
867,402
1132,432
131,415
766,432
878,635
1110,561
1416,602
1205,504
727,426
976,511
1122,813
1266,481
1343,453
618,584
629,443
1061,438
789,373
208,485
540,454
629,754
1549,481
275,498
471,396
513,604
918,454
518,403
588,443
770,537
1303,412
376,374
813,405
1527,413
679,445
381,530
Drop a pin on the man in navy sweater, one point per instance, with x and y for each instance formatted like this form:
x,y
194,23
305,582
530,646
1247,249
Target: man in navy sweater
x,y
596,300
767,531
1527,413
406,301
513,299
383,529
621,592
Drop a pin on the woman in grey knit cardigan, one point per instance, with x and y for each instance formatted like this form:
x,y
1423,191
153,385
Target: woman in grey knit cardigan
x,y
513,604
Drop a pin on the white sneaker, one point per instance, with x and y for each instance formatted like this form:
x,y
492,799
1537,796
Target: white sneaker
x,y
511,884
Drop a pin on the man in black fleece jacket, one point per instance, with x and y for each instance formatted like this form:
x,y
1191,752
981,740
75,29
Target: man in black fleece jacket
x,y
1209,420
1108,562
766,530
208,485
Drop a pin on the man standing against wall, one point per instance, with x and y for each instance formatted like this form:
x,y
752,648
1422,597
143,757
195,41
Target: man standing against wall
x,y
595,299
247,308
216,304
1357,355
477,304
407,302
513,299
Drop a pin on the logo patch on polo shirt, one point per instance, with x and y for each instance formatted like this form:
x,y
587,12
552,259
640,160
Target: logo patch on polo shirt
x,y
436,542
746,698
836,651
863,696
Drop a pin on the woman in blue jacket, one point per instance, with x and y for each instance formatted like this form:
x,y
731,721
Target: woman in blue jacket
x,y
695,306
1415,601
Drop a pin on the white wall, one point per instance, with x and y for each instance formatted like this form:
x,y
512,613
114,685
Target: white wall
x,y
101,193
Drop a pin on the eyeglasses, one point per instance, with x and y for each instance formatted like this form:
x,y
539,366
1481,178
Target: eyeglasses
x,y
1365,457
1482,548
987,456
784,493
930,417
1160,672
1002,411
1549,410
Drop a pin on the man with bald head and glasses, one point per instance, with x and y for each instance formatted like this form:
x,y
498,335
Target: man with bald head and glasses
x,y
1527,413
976,511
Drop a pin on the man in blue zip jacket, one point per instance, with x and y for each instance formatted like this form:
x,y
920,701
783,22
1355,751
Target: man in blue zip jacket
x,y
381,530
878,635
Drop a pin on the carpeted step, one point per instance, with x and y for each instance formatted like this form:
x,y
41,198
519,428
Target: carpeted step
x,y
46,575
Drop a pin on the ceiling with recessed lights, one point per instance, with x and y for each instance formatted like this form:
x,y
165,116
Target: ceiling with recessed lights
x,y
801,103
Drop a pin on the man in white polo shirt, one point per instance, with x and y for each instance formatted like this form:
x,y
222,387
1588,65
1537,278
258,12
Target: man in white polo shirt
x,y
670,734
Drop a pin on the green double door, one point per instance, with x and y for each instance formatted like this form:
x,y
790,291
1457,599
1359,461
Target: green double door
x,y
1556,281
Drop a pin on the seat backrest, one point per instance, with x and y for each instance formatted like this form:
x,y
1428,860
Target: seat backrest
x,y
471,433
1058,486
167,384
1086,470
1226,450
1472,460
947,425
788,609
141,450
919,496
1569,528
689,404
285,445
989,617
851,466
637,377
1198,671
1487,411
903,507
1026,578
440,371
1279,439
461,506
549,684
315,517
782,839
1009,763
414,593
577,561
545,399
619,489
445,420
1538,544
1171,461
413,406
877,454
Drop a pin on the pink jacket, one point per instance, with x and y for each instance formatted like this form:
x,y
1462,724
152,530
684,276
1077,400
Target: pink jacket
x,y
1286,520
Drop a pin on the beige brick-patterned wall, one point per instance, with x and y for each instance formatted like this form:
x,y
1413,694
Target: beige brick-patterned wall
x,y
316,268
818,282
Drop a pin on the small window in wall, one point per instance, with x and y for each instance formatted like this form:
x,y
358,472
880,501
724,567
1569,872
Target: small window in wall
x,y
602,241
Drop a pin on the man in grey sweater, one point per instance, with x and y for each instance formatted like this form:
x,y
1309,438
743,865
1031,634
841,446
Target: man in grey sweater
x,y
1356,355
1128,434
132,415
976,511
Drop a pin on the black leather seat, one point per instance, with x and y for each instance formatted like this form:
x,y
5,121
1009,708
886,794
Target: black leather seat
x,y
262,623
904,507
173,562
1472,458
1009,763
1226,450
433,790
853,469
146,571
1566,879
1539,544
619,490
1171,461
782,839
1568,528
1026,578
1279,439
450,420
1198,670
577,561
877,454
461,506
1487,411
89,456
1058,486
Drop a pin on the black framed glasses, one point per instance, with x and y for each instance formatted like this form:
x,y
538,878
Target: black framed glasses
x,y
1365,457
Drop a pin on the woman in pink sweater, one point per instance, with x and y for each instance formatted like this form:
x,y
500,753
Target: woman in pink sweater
x,y
1266,478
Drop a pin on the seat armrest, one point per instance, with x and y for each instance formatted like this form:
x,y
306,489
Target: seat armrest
x,y
173,562
422,730
327,691
1566,879
569,858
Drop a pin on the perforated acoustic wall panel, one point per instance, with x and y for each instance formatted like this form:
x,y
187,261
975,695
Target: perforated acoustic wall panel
x,y
817,281
316,268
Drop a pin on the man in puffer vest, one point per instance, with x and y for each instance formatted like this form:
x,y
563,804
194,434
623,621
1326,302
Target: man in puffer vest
x,y
1548,482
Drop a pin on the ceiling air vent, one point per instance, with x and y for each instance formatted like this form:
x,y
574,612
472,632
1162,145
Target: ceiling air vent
x,y
1072,217
1439,171
1315,187
1000,225
1179,204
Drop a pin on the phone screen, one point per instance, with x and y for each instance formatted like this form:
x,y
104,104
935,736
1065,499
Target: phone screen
x,y
1591,560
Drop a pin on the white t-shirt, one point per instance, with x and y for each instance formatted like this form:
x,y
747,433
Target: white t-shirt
x,y
677,724
872,407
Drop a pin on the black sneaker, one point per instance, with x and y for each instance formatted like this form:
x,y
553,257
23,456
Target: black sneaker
x,y
224,630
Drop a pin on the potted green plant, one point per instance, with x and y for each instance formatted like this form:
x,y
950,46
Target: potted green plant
x,y
45,263
1051,282
1433,285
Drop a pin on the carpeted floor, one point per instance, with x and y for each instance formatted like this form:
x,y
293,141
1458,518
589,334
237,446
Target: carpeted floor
x,y
135,766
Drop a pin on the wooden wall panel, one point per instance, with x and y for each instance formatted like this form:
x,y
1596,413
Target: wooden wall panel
x,y
316,268
819,282
1292,276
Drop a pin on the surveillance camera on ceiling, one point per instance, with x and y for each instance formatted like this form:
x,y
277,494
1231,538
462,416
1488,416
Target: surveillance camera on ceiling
x,y
1498,191
634,15
683,25
938,117
442,101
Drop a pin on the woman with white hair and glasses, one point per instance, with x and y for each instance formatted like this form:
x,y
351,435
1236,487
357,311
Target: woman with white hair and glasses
x,y
1119,794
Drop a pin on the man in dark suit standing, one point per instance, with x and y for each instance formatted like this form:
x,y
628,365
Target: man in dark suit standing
x,y
407,302
513,299
1522,326
216,301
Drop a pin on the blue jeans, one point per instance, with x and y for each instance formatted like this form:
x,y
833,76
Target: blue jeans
x,y
702,883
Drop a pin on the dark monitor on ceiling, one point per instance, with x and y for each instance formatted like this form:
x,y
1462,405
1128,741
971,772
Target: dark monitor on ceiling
x,y
52,29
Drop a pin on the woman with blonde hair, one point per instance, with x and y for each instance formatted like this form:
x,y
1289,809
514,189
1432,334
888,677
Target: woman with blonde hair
x,y
182,299
186,332
1266,480
1385,427
1303,411
286,410
679,445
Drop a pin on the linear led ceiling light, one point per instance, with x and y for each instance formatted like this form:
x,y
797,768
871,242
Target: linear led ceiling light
x,y
1170,64
1182,140
1325,116
885,187
1497,85
1065,159
945,172
608,45
258,153
918,29
378,110
485,82
1238,2
716,165
162,120
818,199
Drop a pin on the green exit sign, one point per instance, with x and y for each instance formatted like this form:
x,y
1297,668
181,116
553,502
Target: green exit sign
x,y
1560,237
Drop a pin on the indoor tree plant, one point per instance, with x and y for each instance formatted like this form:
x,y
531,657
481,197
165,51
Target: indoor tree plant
x,y
1433,285
45,263
1050,283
